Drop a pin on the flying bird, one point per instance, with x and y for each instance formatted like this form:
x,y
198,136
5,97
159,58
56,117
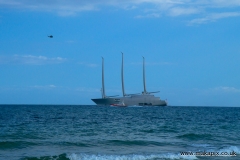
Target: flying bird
x,y
51,36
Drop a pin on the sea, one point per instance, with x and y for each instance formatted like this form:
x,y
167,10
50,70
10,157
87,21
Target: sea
x,y
90,132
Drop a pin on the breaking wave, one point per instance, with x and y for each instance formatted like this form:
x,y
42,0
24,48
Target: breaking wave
x,y
129,157
83,156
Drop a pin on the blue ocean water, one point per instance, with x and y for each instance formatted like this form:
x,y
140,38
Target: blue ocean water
x,y
77,132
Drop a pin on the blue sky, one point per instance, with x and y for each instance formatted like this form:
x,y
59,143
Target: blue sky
x,y
191,49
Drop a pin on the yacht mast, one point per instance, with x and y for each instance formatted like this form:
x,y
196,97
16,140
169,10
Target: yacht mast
x,y
144,81
103,88
122,76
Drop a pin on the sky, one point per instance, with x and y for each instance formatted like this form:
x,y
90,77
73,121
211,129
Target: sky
x,y
191,50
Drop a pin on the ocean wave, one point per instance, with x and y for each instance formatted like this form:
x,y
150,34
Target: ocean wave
x,y
227,149
154,156
78,144
193,136
230,149
58,157
15,144
200,145
168,156
133,143
212,148
83,156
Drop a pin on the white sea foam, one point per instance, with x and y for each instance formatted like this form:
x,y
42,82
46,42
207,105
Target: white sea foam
x,y
128,157
225,149
230,149
210,148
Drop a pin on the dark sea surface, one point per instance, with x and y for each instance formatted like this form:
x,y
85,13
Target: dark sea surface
x,y
65,132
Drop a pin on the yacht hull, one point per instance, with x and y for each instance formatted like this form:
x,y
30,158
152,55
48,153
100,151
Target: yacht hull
x,y
137,100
